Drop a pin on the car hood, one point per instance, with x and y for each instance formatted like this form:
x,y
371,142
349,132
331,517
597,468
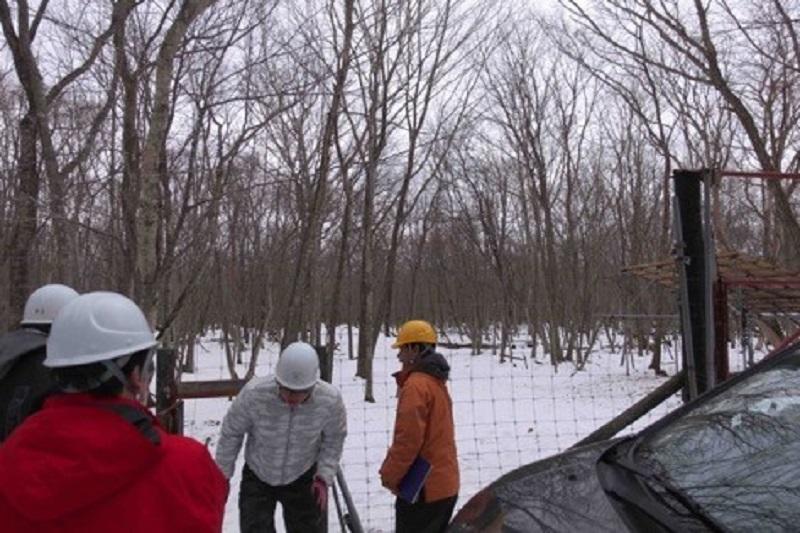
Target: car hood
x,y
561,493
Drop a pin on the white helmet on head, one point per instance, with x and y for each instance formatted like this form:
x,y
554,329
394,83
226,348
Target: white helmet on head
x,y
45,302
298,367
98,326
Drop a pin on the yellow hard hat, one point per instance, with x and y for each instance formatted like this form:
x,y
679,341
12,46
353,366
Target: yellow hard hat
x,y
415,331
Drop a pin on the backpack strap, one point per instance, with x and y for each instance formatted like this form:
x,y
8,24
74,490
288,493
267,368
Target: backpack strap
x,y
140,420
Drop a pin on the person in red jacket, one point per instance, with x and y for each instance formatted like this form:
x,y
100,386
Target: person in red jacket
x,y
423,429
93,459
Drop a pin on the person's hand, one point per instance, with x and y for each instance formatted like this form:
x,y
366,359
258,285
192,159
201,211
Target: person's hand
x,y
320,491
386,484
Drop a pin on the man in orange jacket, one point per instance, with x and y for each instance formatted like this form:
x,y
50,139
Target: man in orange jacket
x,y
423,428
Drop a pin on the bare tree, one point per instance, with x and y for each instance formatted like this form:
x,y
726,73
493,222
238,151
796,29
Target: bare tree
x,y
147,219
36,131
319,187
437,44
704,52
377,80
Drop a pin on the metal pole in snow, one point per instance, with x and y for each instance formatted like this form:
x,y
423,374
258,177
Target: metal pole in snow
x,y
351,518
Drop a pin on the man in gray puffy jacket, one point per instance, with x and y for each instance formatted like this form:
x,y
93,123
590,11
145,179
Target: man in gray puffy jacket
x,y
295,426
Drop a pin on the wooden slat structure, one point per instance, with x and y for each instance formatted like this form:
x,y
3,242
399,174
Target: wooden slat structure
x,y
765,287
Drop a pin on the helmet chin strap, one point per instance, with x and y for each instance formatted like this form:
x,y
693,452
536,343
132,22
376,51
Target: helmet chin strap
x,y
147,371
113,368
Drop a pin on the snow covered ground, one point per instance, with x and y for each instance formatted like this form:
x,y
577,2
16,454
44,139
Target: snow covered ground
x,y
506,415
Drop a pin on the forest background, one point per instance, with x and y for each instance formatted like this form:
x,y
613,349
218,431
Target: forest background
x,y
274,169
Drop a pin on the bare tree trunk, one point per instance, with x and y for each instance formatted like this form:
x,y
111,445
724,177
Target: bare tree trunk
x,y
341,263
419,254
188,364
232,353
658,341
376,99
131,152
25,216
328,141
147,221
366,308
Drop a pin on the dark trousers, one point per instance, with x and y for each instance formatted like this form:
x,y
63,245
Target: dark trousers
x,y
257,501
423,517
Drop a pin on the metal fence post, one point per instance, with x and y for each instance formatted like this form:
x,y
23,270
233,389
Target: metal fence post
x,y
698,317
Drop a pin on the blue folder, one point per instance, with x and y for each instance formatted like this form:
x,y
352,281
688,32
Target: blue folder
x,y
412,483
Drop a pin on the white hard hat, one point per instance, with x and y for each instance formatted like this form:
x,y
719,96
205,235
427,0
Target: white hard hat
x,y
45,302
298,367
97,326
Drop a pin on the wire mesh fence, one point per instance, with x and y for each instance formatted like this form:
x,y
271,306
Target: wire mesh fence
x,y
506,415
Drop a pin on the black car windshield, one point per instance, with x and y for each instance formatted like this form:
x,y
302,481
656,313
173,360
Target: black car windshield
x,y
737,455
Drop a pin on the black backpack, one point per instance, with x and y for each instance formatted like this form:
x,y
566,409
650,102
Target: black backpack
x,y
24,381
